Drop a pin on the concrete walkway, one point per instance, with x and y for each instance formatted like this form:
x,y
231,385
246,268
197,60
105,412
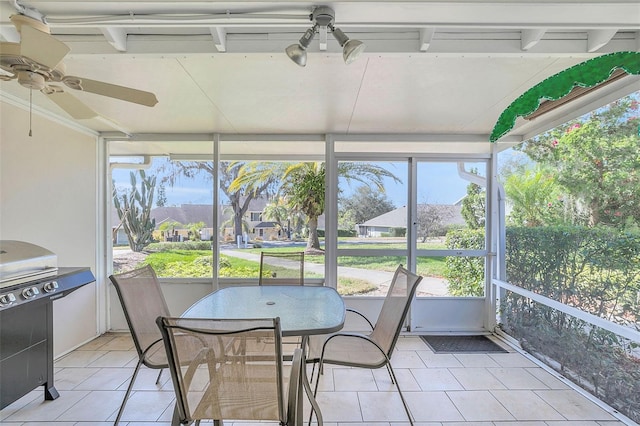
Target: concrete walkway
x,y
430,286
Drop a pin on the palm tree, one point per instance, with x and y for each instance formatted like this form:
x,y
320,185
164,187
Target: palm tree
x,y
239,197
303,185
277,210
231,222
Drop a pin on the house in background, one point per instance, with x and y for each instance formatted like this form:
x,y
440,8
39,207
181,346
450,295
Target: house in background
x,y
184,215
253,224
385,224
180,216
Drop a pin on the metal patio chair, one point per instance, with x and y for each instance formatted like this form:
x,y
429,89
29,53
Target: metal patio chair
x,y
230,369
288,268
142,302
371,350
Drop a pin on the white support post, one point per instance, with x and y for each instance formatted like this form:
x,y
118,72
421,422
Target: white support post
x,y
331,214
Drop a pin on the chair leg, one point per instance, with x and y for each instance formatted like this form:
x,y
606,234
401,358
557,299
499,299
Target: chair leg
x,y
394,380
315,389
126,395
313,370
159,375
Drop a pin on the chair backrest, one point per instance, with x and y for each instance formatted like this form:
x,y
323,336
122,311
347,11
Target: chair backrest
x,y
394,310
282,268
225,368
142,301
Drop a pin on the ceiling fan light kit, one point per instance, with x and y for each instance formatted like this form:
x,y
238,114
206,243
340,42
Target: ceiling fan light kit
x,y
323,17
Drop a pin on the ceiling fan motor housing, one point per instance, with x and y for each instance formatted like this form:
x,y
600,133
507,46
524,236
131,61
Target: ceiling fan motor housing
x,y
31,80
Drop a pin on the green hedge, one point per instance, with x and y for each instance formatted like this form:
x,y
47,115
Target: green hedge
x,y
594,270
465,275
185,245
341,233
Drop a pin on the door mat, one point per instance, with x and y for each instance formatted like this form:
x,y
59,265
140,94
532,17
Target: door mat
x,y
462,344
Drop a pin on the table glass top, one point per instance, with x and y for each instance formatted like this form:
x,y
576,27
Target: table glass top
x,y
303,310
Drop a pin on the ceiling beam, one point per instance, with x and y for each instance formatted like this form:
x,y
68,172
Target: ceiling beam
x,y
598,38
219,35
116,36
426,36
531,37
454,45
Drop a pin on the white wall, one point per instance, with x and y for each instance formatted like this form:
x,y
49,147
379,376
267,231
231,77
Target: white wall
x,y
48,197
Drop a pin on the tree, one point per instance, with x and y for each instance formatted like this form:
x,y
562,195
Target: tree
x,y
161,200
167,228
279,211
474,205
239,196
596,160
431,220
228,211
303,185
134,210
193,230
534,198
362,205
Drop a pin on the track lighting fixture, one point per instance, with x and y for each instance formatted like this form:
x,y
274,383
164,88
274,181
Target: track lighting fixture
x,y
323,17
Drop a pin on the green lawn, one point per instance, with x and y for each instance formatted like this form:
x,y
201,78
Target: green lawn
x,y
182,263
427,266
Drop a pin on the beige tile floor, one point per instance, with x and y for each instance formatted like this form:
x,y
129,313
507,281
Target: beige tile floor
x,y
503,389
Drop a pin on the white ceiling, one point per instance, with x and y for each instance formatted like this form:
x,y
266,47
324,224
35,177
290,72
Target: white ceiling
x,y
438,71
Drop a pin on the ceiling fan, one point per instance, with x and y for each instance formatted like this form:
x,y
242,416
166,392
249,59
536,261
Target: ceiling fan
x,y
36,62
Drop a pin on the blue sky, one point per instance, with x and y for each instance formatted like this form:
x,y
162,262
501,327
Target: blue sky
x,y
438,183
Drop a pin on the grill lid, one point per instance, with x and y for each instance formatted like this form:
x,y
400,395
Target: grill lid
x,y
21,261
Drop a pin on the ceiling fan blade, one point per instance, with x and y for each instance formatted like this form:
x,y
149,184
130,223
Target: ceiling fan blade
x,y
111,90
72,105
42,47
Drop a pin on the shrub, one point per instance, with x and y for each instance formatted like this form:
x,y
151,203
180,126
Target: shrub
x,y
465,275
346,233
185,245
398,232
594,270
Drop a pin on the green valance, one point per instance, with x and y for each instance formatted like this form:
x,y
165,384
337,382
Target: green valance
x,y
586,74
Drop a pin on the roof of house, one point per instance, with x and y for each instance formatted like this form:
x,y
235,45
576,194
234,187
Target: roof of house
x,y
194,213
397,218
266,225
184,214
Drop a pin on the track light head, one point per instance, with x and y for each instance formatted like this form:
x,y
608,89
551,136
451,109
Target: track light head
x,y
298,51
351,49
323,16
297,54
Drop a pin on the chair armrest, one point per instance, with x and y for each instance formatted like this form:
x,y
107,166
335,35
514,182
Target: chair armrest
x,y
353,335
361,315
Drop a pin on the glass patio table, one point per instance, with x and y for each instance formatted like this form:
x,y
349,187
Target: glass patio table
x,y
303,311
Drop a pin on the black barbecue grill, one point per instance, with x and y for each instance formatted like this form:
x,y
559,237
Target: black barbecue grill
x,y
30,280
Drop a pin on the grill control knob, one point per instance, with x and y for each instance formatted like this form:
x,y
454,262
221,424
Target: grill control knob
x,y
7,299
50,287
30,292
